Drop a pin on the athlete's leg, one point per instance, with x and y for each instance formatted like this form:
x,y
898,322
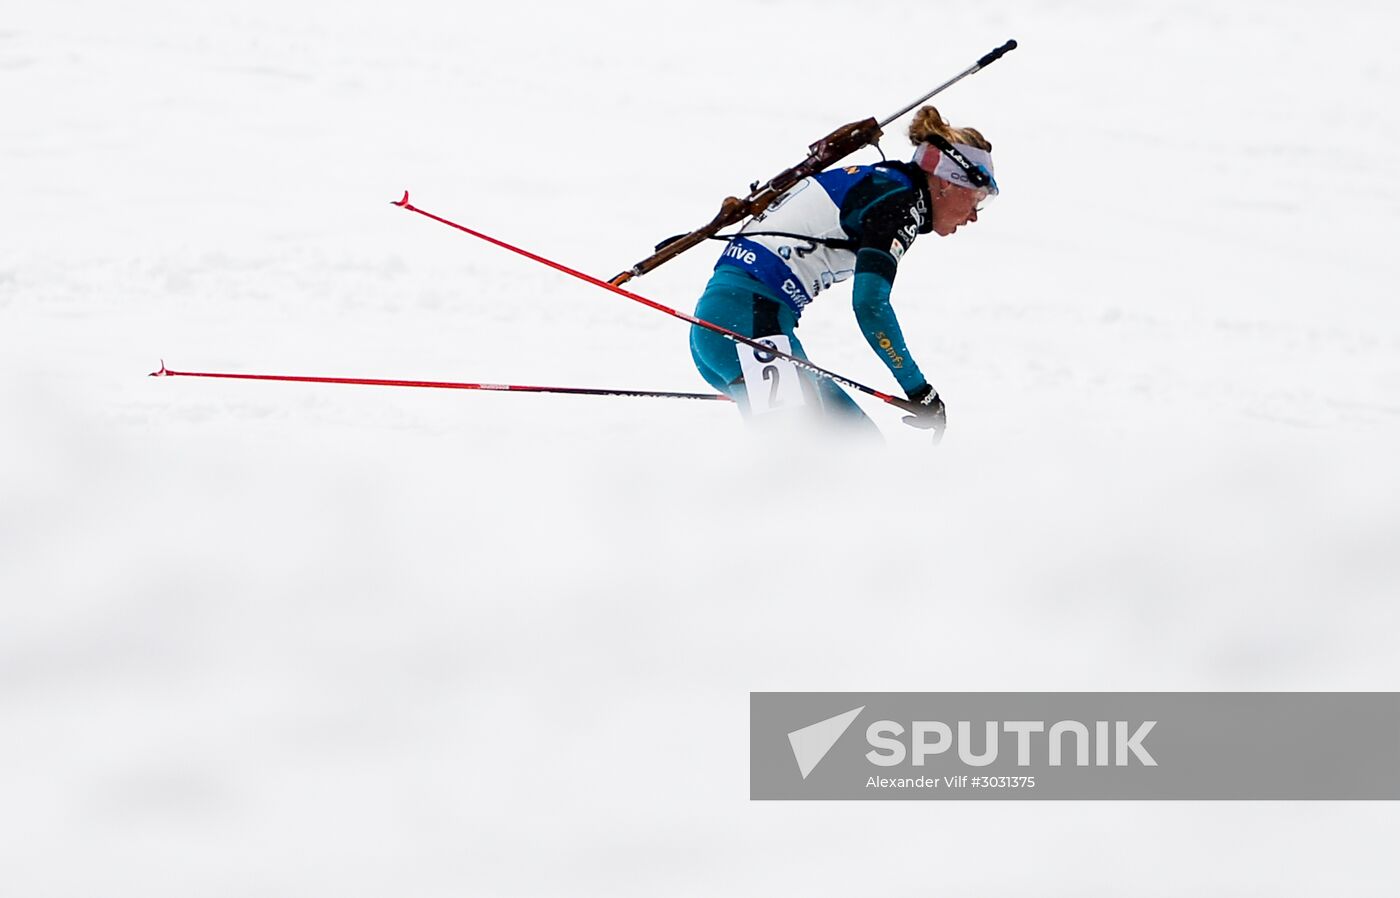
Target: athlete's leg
x,y
740,304
728,301
714,354
836,406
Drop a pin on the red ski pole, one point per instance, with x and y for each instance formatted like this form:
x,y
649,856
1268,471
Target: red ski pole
x,y
736,337
441,385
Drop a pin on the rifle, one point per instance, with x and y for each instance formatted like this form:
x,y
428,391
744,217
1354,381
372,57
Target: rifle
x,y
831,149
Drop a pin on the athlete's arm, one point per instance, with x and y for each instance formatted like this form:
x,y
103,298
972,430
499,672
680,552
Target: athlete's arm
x,y
884,231
875,315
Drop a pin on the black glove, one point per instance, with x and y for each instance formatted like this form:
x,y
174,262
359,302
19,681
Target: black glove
x,y
929,413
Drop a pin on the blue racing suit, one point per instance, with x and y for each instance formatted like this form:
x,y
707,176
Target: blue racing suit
x,y
846,223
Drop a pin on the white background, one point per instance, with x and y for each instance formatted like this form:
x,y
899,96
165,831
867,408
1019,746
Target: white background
x,y
302,640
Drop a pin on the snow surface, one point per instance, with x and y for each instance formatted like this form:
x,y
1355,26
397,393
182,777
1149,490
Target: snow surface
x,y
278,639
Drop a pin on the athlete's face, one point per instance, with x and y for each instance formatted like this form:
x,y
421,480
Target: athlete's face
x,y
953,206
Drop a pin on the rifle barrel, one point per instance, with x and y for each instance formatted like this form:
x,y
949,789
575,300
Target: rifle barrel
x,y
976,67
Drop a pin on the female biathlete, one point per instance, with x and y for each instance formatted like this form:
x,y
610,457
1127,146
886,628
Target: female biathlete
x,y
856,221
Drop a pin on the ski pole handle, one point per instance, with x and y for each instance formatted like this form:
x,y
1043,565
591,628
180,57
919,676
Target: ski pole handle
x,y
919,411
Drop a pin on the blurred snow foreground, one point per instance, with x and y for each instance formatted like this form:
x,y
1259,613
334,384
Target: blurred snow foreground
x,y
296,638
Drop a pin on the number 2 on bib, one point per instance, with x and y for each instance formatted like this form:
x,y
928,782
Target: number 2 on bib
x,y
772,383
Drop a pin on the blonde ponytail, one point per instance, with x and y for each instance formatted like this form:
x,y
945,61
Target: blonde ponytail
x,y
928,121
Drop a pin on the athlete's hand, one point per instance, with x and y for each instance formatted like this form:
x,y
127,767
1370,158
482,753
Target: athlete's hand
x,y
929,413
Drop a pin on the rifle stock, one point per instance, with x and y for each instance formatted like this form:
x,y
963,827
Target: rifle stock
x,y
832,148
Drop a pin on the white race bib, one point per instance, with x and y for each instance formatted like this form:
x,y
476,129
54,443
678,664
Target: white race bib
x,y
772,383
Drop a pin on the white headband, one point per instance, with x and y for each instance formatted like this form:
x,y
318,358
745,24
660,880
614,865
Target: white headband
x,y
937,163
